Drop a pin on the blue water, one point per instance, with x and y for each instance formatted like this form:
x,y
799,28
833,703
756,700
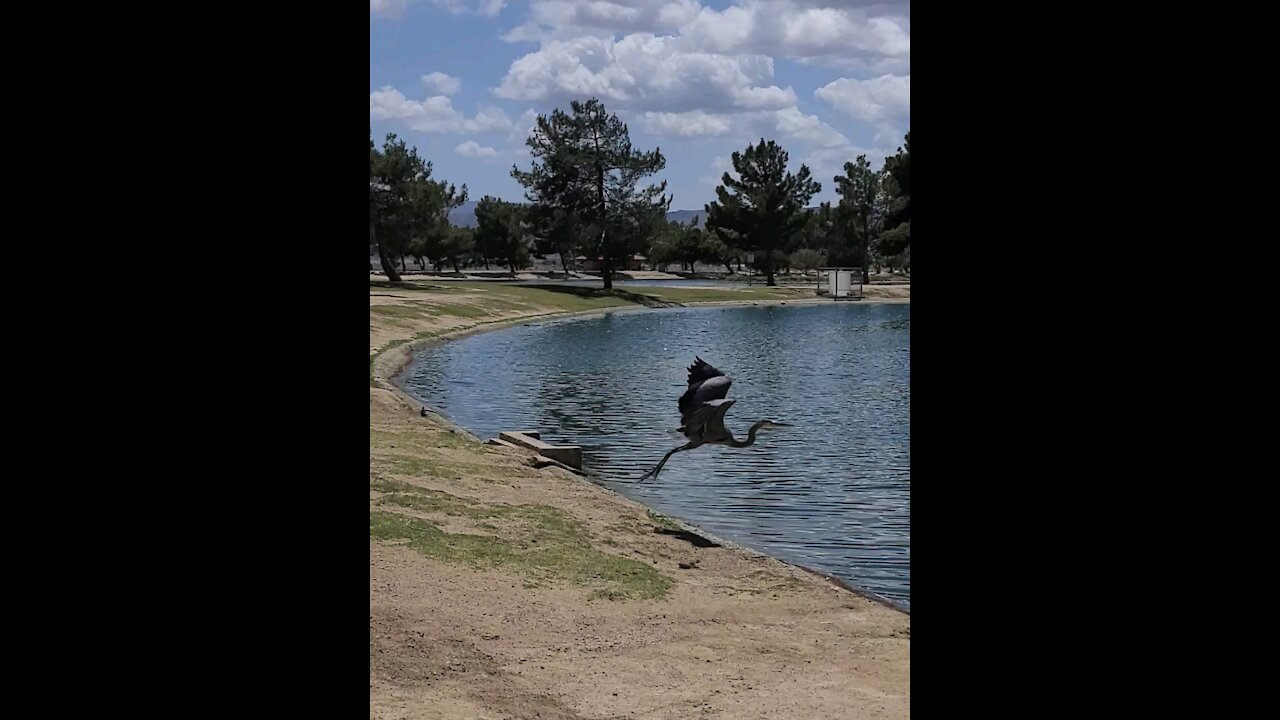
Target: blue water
x,y
832,493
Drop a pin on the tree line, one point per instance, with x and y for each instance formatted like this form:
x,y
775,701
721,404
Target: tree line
x,y
585,195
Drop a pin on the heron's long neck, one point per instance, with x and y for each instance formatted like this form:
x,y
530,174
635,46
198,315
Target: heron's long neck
x,y
751,436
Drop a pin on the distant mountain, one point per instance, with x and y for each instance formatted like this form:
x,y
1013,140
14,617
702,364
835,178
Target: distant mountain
x,y
685,216
465,215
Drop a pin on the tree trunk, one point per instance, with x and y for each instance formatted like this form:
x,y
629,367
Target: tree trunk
x,y
608,273
768,270
455,265
486,262
388,266
728,266
866,251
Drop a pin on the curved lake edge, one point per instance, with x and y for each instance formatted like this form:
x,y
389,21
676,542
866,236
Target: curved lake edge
x,y
390,364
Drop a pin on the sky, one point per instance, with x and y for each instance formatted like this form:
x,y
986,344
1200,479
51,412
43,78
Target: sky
x,y
464,80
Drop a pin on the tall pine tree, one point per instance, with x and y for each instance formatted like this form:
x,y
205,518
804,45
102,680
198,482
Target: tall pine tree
x,y
762,210
584,165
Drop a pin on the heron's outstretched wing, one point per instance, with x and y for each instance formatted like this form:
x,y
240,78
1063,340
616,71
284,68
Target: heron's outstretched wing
x,y
705,384
700,371
697,419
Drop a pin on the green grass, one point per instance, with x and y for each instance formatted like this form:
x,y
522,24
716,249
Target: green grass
x,y
687,295
548,543
387,438
413,466
397,311
663,521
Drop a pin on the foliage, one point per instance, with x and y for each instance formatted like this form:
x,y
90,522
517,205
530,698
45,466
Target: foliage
x,y
585,167
501,232
763,209
858,214
408,210
806,259
896,237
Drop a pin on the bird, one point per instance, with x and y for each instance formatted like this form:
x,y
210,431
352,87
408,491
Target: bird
x,y
702,410
423,413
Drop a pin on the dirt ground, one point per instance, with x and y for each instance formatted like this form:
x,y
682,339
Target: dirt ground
x,y
497,590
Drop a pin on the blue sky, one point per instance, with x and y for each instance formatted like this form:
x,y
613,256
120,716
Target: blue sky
x,y
463,79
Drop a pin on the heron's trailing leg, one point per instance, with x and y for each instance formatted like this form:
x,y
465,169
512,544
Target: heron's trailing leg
x,y
658,468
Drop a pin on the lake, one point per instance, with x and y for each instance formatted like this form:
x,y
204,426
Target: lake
x,y
832,493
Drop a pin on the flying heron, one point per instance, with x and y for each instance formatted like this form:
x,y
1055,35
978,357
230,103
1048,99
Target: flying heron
x,y
702,409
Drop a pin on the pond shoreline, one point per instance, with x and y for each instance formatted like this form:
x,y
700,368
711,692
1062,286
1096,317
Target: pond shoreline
x,y
725,630
400,357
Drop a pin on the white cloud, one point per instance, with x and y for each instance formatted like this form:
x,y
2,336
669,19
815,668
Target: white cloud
x,y
521,129
794,124
471,148
442,83
826,163
852,35
788,123
687,124
434,114
719,165
395,8
841,36
387,8
620,16
879,100
642,71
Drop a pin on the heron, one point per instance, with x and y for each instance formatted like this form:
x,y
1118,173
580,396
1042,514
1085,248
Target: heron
x,y
702,410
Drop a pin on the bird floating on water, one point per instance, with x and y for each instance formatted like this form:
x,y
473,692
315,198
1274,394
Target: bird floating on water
x,y
702,410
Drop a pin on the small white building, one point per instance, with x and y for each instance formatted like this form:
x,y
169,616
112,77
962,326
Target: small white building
x,y
841,283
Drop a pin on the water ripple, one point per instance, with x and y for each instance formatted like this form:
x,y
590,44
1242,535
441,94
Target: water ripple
x,y
832,492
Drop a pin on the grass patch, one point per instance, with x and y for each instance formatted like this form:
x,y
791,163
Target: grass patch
x,y
687,295
414,466
663,521
464,311
397,311
551,545
380,438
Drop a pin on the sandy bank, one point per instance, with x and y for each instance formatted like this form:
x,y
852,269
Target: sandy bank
x,y
498,590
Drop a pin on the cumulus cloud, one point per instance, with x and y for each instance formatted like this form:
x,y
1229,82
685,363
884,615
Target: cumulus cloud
x,y
471,148
841,36
879,100
387,8
850,34
521,129
395,8
826,163
719,165
560,19
787,123
442,83
644,71
434,114
694,123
